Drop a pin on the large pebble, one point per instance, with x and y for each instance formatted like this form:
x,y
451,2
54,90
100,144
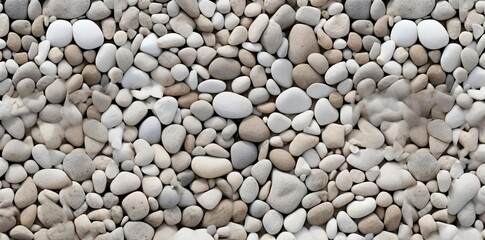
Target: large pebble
x,y
462,190
67,9
87,34
124,183
286,192
134,78
225,68
78,165
59,33
411,9
302,42
52,179
432,34
393,177
173,137
211,167
404,33
232,105
337,26
293,100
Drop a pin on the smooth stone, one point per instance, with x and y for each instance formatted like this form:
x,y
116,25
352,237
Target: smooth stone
x,y
304,76
393,177
51,179
224,68
293,100
232,105
461,191
360,209
78,165
106,57
449,62
253,129
243,154
210,167
432,34
286,192
173,137
136,205
134,78
87,34
302,42
59,33
336,73
325,113
124,183
294,222
112,117
138,230
16,151
476,78
16,9
278,122
67,9
337,26
404,33
365,159
149,45
150,130
281,70
357,9
410,9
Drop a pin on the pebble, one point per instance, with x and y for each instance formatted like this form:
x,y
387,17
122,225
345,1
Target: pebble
x,y
286,192
59,33
302,43
413,9
432,34
404,33
66,9
124,182
87,41
393,177
78,166
210,167
51,179
459,195
231,105
292,101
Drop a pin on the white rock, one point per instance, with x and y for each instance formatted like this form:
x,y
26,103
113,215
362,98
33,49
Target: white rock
x,y
462,190
112,117
52,179
404,33
278,122
210,167
325,113
272,221
134,78
87,34
165,109
476,78
293,100
209,199
281,72
295,220
359,209
393,177
124,183
105,59
319,90
149,45
59,33
336,73
231,105
365,159
170,40
286,192
150,130
449,61
432,34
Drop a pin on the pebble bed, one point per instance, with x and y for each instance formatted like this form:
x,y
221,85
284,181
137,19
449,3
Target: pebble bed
x,y
235,119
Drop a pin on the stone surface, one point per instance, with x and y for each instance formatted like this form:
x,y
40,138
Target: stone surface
x,y
286,192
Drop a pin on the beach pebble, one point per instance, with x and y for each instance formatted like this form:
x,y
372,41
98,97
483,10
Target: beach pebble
x,y
404,33
432,34
87,41
286,192
231,105
293,100
59,33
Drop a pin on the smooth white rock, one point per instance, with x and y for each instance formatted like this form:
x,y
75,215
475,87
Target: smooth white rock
x,y
449,61
476,78
336,73
278,122
166,109
87,34
232,105
462,190
281,72
134,78
59,33
404,33
432,34
325,113
293,100
149,45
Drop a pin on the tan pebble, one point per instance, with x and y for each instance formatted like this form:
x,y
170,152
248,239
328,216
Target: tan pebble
x,y
318,62
381,27
324,40
73,55
304,76
90,56
302,42
371,224
354,42
178,89
21,58
75,135
266,108
186,100
362,58
363,27
189,143
282,159
55,55
419,83
434,56
247,58
333,56
320,214
74,83
436,75
38,26
253,129
392,218
220,215
222,36
14,42
91,75
418,55
400,55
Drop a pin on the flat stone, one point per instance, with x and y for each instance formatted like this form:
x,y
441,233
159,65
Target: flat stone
x,y
67,9
243,153
125,182
224,68
134,78
358,9
232,105
78,165
52,179
286,192
365,159
293,100
412,9
210,167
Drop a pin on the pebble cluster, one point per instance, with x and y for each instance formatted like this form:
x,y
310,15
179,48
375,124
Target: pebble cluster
x,y
235,119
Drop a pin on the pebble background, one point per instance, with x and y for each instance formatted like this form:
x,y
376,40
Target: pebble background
x,y
235,119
